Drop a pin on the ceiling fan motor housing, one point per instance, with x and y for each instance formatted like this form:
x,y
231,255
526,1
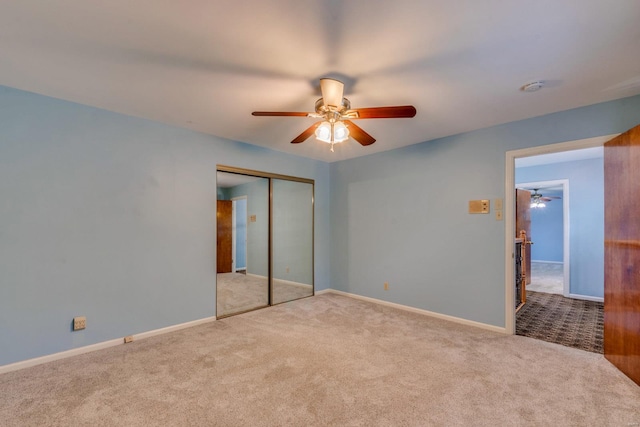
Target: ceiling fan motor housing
x,y
323,109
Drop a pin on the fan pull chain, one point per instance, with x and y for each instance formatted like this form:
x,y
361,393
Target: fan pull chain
x,y
332,137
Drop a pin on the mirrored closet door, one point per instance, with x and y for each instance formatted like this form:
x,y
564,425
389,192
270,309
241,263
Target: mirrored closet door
x,y
292,240
264,240
242,247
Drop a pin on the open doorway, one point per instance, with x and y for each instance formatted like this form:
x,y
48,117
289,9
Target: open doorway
x,y
550,230
583,278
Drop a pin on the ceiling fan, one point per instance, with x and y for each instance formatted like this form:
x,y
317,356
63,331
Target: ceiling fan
x,y
336,114
538,200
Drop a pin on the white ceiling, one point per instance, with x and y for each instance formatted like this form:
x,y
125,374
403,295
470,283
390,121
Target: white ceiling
x,y
206,64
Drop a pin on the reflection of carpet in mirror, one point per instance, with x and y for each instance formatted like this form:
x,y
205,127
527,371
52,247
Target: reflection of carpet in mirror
x,y
238,292
546,277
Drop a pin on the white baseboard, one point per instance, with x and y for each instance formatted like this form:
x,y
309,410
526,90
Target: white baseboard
x,y
61,355
290,283
98,346
172,328
418,311
586,297
120,341
284,282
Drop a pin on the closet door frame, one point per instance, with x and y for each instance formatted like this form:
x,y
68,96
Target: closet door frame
x,y
271,177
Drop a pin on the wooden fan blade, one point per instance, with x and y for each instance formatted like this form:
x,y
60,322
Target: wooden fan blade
x,y
279,113
402,111
358,134
306,134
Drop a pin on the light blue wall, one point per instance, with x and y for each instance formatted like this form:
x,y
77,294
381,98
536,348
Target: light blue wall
x,y
292,228
113,217
421,240
586,219
241,233
292,237
547,230
222,194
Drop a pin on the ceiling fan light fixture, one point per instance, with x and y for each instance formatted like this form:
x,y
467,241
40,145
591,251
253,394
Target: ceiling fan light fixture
x,y
326,130
336,116
323,132
340,132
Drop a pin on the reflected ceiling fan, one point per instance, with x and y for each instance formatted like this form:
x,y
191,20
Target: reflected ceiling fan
x,y
336,114
538,200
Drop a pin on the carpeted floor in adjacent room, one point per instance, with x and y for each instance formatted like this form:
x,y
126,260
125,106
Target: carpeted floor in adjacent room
x,y
327,360
566,321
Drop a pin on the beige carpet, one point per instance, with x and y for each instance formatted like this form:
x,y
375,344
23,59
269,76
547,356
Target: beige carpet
x,y
325,361
547,277
237,292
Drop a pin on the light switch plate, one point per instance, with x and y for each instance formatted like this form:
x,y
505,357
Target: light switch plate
x,y
497,204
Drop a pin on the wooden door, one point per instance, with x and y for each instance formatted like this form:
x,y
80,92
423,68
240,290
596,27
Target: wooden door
x,y
225,235
523,222
622,252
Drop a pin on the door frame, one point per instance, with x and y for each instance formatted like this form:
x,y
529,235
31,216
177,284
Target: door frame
x,y
509,212
234,235
566,259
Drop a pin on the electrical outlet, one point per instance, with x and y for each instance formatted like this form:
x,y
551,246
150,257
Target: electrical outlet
x,y
386,286
79,323
128,339
287,269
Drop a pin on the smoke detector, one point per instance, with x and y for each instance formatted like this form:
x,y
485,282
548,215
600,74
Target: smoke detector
x,y
533,86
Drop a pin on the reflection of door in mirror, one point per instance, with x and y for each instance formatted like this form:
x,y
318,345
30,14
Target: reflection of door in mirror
x,y
292,240
238,292
224,242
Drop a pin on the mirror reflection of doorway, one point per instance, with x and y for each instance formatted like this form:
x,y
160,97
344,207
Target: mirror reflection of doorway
x,y
239,234
247,289
264,240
